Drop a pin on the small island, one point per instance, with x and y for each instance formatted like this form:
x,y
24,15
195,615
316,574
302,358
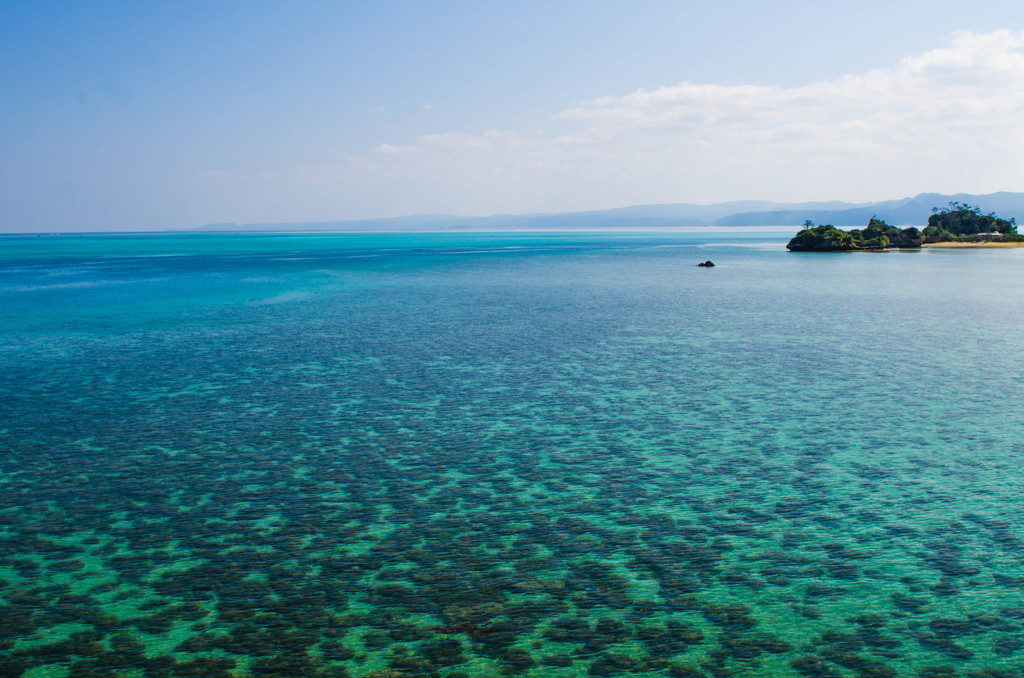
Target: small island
x,y
959,224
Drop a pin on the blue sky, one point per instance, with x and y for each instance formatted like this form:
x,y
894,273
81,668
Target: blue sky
x,y
172,115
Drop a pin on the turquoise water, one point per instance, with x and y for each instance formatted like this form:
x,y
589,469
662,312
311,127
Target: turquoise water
x,y
508,454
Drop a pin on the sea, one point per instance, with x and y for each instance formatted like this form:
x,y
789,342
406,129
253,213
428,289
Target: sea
x,y
483,454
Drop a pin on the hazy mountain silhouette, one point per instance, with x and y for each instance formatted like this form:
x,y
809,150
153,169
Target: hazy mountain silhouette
x,y
907,211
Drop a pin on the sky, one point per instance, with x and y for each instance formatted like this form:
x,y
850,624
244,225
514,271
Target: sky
x,y
139,116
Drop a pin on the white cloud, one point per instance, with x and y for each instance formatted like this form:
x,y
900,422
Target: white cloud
x,y
946,120
970,93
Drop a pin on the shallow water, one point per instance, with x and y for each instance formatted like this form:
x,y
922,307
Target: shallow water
x,y
519,454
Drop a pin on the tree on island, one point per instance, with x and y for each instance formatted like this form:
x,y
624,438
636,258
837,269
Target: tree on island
x,y
877,236
965,223
957,223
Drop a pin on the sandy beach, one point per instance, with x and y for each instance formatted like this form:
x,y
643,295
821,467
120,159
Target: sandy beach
x,y
974,244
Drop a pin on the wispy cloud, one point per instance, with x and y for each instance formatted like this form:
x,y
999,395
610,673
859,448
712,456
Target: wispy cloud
x,y
947,119
957,94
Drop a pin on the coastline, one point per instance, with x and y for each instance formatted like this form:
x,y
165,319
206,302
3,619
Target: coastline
x,y
973,244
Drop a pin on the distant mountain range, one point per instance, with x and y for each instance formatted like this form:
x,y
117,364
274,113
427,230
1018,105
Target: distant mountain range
x,y
907,211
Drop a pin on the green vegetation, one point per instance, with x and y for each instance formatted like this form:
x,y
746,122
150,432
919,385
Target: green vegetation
x,y
877,236
963,223
957,223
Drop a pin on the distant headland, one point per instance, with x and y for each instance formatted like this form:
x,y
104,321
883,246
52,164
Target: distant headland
x,y
903,212
959,225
